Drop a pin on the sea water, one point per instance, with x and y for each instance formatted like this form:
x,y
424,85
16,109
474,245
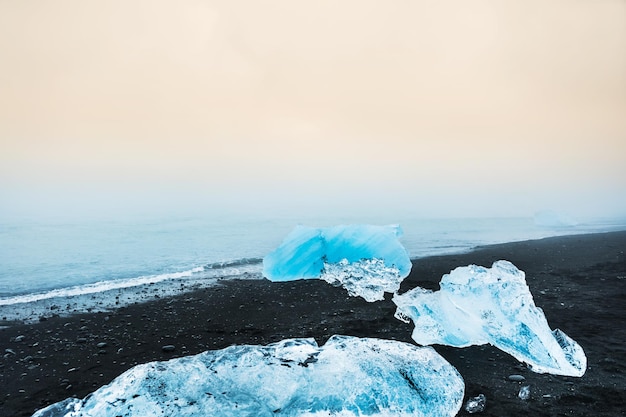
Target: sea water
x,y
116,261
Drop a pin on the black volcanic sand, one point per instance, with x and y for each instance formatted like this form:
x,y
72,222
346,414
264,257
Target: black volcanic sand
x,y
579,281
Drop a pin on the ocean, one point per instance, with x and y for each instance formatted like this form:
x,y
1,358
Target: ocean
x,y
61,266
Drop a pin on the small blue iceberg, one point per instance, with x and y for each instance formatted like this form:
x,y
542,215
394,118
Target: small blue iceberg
x,y
367,260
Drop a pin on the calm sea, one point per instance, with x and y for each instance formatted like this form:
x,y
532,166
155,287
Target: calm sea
x,y
44,260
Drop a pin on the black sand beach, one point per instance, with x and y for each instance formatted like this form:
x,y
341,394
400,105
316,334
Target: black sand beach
x,y
579,282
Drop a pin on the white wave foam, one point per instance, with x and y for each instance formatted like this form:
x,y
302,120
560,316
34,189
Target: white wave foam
x,y
109,295
98,287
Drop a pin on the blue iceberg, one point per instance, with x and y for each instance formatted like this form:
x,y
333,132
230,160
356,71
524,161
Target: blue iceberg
x,y
478,305
367,260
348,376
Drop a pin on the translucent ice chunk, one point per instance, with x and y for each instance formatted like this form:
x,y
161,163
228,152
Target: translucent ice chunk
x,y
476,404
524,392
369,278
478,305
347,376
367,260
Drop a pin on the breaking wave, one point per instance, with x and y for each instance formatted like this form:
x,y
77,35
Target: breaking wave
x,y
239,268
235,263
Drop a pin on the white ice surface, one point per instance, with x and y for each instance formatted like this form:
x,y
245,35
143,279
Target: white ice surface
x,y
347,376
478,305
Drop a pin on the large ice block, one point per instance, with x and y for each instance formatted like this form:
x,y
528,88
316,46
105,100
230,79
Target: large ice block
x,y
367,260
478,305
348,376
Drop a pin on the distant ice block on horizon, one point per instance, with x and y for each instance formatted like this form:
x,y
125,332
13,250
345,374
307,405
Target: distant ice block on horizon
x,y
367,260
478,305
552,219
348,376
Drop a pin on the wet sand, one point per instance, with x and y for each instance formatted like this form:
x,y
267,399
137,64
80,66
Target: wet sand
x,y
579,282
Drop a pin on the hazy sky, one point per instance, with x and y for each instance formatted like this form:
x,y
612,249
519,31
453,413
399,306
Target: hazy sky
x,y
433,107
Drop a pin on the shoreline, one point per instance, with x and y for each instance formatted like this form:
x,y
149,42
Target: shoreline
x,y
108,295
578,280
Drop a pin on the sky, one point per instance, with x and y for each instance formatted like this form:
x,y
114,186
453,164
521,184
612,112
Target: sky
x,y
429,108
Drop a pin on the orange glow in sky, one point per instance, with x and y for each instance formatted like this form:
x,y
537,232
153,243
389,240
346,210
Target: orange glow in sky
x,y
441,107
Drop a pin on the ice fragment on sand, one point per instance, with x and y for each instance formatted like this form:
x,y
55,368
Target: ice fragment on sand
x,y
348,376
368,278
524,392
476,404
478,305
367,260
